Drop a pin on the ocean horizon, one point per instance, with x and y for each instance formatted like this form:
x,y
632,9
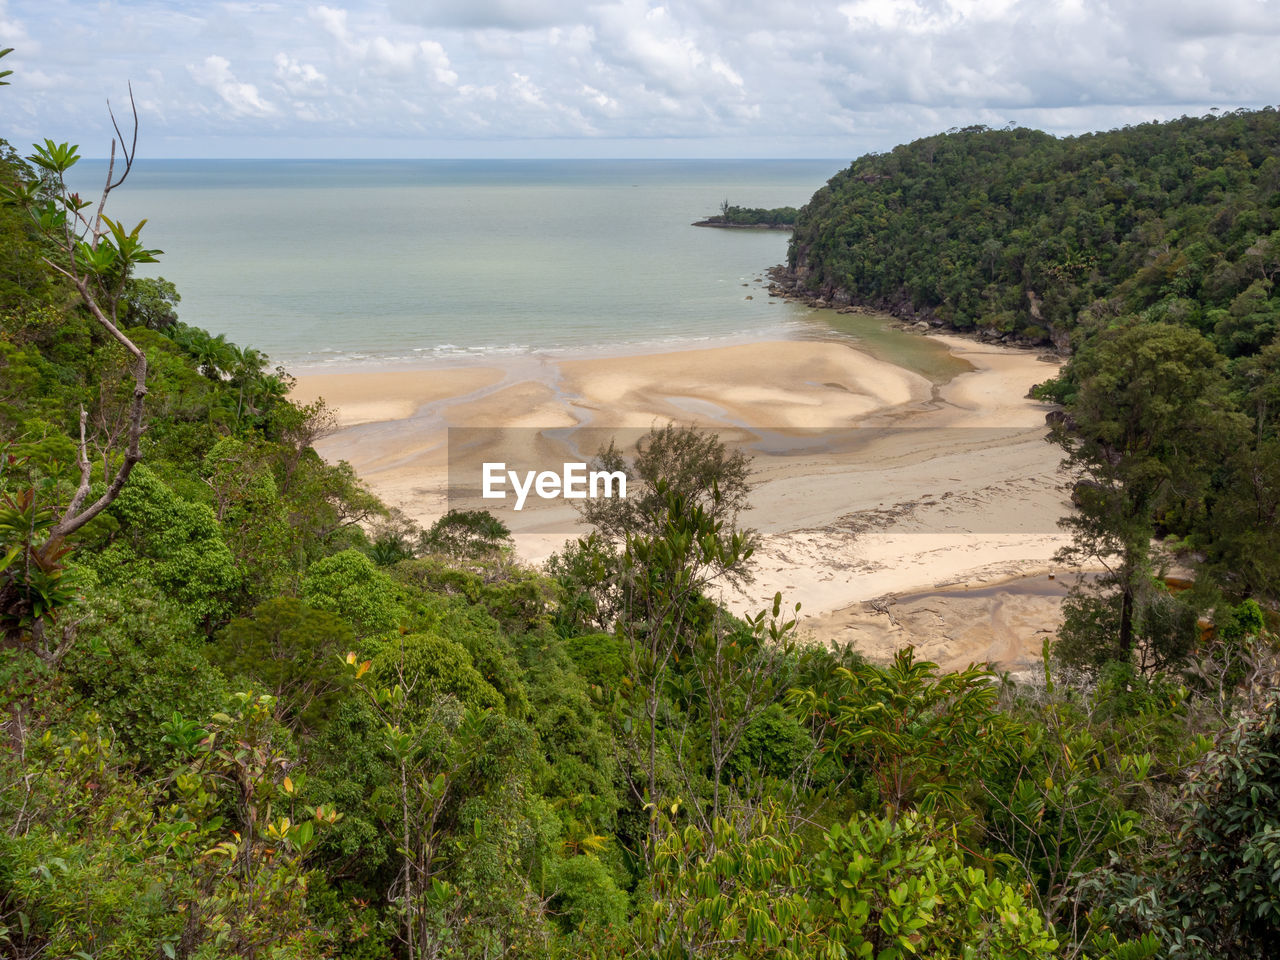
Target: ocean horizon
x,y
336,264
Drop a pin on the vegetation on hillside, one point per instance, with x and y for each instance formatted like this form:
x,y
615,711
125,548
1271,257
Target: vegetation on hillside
x,y
250,712
1022,232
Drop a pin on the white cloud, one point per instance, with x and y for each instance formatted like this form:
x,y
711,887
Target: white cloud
x,y
382,55
479,93
299,79
669,55
438,62
526,91
37,79
13,33
887,15
917,17
243,99
602,100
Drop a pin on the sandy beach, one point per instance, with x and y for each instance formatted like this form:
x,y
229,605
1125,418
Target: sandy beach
x,y
894,509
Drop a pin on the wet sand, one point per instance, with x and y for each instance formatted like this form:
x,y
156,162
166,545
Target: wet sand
x,y
899,487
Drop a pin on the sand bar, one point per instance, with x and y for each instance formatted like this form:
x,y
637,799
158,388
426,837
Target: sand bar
x,y
359,398
920,490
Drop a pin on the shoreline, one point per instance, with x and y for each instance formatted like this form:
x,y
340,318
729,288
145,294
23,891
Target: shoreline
x,y
510,357
842,523
743,226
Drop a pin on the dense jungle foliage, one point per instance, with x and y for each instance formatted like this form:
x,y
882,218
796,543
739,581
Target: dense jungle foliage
x,y
1019,231
248,711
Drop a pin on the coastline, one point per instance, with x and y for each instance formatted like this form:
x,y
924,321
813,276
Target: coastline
x,y
743,226
843,524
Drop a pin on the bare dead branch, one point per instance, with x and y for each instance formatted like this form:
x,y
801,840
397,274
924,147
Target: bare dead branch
x,y
132,150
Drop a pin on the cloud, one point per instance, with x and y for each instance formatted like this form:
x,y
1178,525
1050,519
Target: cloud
x,y
602,100
299,79
915,17
526,91
13,33
243,99
669,55
710,76
489,14
437,61
36,79
385,56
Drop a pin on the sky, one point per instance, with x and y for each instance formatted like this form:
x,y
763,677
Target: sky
x,y
621,78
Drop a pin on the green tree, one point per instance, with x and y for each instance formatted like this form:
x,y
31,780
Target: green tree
x,y
665,578
172,542
139,660
211,862
586,571
1148,419
294,651
428,668
1229,850
692,464
1238,531
150,302
349,585
466,533
253,516
586,896
1211,888
1073,801
459,775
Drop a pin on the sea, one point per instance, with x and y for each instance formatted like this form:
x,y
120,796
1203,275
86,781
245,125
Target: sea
x,y
346,263
336,265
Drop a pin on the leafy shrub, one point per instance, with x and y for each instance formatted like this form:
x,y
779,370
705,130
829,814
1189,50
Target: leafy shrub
x,y
1230,863
585,894
893,888
587,573
1212,890
601,658
878,888
514,596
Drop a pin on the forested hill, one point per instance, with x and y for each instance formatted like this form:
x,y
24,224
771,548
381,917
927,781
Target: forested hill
x,y
1023,232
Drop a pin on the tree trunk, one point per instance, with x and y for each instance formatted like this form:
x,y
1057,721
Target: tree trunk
x,y
1125,639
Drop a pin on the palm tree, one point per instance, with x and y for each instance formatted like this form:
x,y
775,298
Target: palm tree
x,y
246,374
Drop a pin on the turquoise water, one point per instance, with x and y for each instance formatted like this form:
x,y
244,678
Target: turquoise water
x,y
344,263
